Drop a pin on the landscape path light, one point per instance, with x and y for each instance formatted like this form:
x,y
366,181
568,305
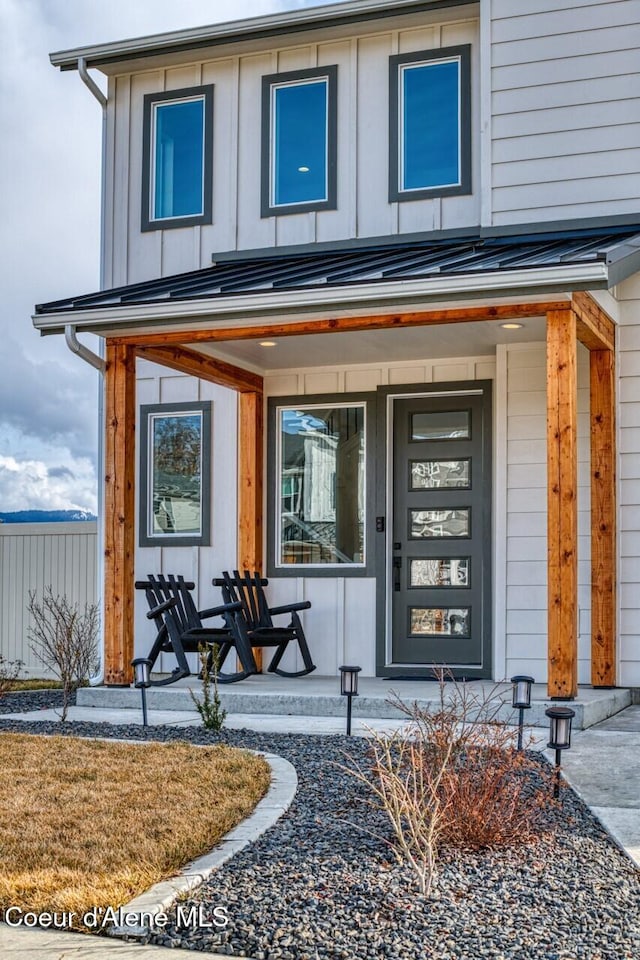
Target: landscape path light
x,y
142,670
349,689
559,736
521,700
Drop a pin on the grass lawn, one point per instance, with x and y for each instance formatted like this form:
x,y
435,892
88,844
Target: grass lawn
x,y
87,823
14,686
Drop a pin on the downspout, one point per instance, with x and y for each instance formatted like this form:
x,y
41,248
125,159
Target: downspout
x,y
98,362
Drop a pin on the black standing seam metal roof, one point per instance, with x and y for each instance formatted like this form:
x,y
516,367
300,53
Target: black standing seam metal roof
x,y
368,264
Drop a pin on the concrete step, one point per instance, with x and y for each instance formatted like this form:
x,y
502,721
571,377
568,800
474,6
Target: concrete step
x,y
320,697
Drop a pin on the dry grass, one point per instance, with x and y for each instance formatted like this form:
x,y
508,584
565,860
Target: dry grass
x,y
88,823
32,684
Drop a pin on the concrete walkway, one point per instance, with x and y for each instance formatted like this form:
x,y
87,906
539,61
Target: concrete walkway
x,y
603,766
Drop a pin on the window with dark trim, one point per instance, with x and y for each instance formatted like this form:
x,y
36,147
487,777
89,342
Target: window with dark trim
x,y
320,485
175,471
177,158
430,124
299,141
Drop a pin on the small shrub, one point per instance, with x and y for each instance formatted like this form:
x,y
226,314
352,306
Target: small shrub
x,y
210,708
64,639
453,776
9,671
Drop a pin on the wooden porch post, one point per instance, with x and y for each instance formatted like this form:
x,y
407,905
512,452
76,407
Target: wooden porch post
x,y
562,504
603,519
250,457
119,506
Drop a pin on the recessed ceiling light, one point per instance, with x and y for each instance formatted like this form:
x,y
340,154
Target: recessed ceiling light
x,y
267,343
303,169
512,325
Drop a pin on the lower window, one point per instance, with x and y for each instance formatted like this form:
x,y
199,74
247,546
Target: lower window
x,y
175,464
319,485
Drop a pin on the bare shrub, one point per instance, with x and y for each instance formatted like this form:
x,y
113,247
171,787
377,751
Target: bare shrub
x,y
64,639
210,707
9,671
453,776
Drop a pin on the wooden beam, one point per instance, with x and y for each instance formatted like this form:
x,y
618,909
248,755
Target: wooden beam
x,y
200,365
594,328
250,451
603,519
562,500
344,324
119,512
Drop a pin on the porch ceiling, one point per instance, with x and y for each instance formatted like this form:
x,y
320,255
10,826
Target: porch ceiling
x,y
375,346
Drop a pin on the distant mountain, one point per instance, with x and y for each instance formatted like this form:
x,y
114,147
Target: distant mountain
x,y
46,516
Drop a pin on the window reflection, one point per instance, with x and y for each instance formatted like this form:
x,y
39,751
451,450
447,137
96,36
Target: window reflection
x,y
300,142
179,161
322,485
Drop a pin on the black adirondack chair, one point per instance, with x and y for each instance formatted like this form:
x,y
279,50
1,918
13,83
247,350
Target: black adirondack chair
x,y
248,591
181,631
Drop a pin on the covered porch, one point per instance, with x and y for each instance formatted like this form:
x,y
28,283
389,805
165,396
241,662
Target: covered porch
x,y
188,324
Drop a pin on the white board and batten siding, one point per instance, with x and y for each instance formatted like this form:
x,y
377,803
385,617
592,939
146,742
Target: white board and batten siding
x,y
565,109
363,208
201,564
34,556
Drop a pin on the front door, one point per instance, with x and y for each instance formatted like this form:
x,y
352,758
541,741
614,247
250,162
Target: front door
x,y
440,581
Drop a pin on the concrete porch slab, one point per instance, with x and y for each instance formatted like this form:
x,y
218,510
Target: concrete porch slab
x,y
320,697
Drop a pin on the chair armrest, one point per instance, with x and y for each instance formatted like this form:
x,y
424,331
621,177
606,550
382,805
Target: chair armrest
x,y
218,611
171,602
291,607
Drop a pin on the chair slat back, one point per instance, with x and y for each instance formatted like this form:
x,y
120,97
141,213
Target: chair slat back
x,y
183,615
247,590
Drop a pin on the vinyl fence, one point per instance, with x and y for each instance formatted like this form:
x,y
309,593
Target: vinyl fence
x,y
34,556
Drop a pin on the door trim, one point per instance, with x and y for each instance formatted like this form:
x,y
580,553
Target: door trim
x,y
385,667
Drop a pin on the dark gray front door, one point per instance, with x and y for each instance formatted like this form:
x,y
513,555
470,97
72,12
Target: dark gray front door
x,y
440,577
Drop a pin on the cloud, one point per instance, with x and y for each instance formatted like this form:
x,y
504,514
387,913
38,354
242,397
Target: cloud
x,y
50,156
30,484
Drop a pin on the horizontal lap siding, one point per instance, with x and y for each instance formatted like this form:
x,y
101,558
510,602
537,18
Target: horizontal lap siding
x,y
526,507
629,482
565,94
33,557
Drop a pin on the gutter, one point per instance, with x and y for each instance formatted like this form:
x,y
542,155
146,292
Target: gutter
x,y
336,299
251,28
80,350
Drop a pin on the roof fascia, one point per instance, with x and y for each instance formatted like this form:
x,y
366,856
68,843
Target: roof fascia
x,y
372,296
254,28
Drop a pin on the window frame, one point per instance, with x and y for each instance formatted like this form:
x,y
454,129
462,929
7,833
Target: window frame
x,y
275,567
151,100
462,53
267,159
146,536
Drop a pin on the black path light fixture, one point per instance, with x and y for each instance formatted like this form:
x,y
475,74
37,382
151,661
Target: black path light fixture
x,y
559,736
521,700
349,689
142,680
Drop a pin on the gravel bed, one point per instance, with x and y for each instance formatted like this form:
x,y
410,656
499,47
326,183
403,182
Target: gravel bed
x,y
317,886
23,701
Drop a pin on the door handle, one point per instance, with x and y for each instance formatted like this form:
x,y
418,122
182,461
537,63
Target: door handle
x,y
397,567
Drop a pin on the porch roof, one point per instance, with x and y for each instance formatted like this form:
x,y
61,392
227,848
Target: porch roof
x,y
471,265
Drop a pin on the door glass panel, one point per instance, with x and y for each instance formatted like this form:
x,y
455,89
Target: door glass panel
x,y
440,572
436,524
429,474
440,621
441,425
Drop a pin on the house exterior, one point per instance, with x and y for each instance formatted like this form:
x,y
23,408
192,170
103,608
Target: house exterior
x,y
371,321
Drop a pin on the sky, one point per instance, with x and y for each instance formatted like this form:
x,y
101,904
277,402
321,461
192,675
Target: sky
x,y
50,130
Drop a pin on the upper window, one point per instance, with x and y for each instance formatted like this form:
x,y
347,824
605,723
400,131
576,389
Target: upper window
x,y
299,141
430,135
177,158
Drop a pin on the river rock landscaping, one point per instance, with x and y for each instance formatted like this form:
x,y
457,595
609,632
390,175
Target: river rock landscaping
x,y
319,884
